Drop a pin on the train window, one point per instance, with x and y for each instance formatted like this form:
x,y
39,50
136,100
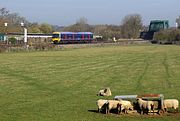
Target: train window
x,y
55,36
63,36
85,36
79,36
70,36
91,36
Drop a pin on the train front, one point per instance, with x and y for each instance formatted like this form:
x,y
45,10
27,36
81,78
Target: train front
x,y
56,37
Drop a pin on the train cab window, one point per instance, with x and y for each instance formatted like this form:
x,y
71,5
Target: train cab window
x,y
55,36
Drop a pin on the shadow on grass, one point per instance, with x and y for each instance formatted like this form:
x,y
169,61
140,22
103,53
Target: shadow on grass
x,y
93,111
103,111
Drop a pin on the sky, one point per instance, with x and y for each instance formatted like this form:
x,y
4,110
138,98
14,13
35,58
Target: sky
x,y
67,12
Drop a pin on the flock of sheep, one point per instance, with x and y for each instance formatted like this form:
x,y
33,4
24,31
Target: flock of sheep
x,y
124,106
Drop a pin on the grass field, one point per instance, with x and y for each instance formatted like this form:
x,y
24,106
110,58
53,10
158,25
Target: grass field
x,y
62,85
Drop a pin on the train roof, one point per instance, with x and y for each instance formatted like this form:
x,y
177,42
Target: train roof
x,y
84,32
75,32
67,32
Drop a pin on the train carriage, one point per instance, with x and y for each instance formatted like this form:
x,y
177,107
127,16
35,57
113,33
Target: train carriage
x,y
72,37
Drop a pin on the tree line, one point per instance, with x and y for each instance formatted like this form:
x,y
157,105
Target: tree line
x,y
13,21
129,28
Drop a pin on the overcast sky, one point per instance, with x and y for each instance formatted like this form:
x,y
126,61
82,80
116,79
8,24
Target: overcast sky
x,y
67,12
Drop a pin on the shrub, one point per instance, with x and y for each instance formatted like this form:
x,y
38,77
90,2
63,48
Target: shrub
x,y
12,40
167,36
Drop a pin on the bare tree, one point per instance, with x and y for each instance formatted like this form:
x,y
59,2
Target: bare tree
x,y
100,29
3,12
131,25
80,26
16,19
82,21
13,20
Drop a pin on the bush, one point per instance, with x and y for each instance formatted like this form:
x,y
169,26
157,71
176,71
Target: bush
x,y
12,40
167,36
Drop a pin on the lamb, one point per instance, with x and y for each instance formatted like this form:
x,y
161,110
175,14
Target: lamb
x,y
113,104
105,92
145,105
171,103
126,105
102,104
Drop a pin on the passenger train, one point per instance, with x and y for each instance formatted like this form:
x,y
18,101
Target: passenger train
x,y
72,37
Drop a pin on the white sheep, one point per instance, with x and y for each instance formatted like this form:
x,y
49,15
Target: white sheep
x,y
102,104
105,92
126,105
113,104
171,103
145,105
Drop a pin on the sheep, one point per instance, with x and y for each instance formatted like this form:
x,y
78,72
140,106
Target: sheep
x,y
113,104
100,93
102,104
104,92
126,105
171,103
145,105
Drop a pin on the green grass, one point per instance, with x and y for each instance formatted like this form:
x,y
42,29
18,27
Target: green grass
x,y
62,85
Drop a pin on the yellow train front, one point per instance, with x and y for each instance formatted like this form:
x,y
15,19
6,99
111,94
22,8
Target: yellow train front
x,y
72,37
